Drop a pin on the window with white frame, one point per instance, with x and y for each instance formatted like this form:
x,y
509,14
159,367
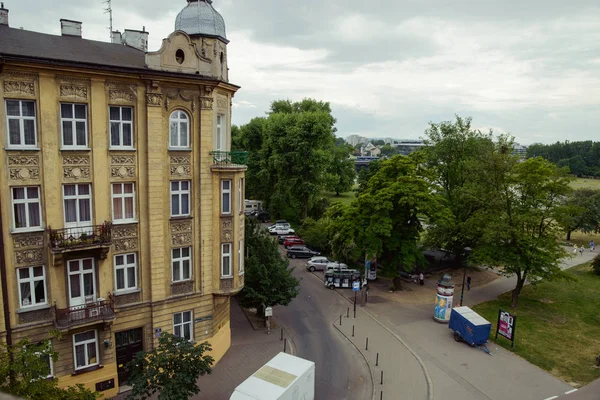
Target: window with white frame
x,y
220,141
123,198
180,198
226,260
241,258
73,119
85,349
226,197
44,350
241,195
20,116
77,201
182,264
182,325
121,127
179,130
32,286
26,207
126,272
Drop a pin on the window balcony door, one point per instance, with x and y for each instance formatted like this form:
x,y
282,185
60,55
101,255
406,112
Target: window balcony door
x,y
78,209
82,282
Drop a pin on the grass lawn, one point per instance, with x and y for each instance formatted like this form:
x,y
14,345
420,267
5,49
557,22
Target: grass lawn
x,y
589,183
345,198
558,325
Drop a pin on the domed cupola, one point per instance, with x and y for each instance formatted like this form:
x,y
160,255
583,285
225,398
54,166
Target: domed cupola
x,y
200,18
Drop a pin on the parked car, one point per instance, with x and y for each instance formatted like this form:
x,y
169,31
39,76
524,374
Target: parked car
x,y
281,238
262,215
340,267
292,241
281,230
301,252
317,263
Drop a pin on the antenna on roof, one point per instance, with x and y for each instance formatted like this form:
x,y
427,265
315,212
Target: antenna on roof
x,y
109,11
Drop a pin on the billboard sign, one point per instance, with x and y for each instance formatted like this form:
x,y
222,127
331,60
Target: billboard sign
x,y
506,325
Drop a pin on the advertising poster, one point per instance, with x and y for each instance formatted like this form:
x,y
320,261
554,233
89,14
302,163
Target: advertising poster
x,y
506,323
370,267
443,308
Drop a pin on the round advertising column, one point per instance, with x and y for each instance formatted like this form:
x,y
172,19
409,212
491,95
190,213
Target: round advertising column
x,y
443,300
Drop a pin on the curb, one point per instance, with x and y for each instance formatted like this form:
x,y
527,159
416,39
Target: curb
x,y
364,358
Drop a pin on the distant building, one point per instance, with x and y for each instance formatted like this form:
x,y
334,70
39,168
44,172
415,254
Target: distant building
x,y
405,147
520,150
353,140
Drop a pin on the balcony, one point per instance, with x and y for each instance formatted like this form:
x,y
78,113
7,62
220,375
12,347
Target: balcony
x,y
92,312
93,239
229,160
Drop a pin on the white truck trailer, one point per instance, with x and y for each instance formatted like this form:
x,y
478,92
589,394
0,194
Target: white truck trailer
x,y
285,377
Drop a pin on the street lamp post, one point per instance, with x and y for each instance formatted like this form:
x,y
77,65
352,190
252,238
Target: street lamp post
x,y
467,250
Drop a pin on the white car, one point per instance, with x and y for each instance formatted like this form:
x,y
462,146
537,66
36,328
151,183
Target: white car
x,y
281,230
339,267
317,263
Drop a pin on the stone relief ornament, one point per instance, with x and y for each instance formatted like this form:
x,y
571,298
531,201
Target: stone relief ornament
x,y
181,227
180,159
127,160
227,224
122,172
76,172
25,173
79,92
124,232
19,87
181,238
29,256
76,160
226,284
222,102
180,170
123,95
127,244
28,240
23,160
154,99
206,103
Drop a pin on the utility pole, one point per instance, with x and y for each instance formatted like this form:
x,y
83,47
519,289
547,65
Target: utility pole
x,y
108,10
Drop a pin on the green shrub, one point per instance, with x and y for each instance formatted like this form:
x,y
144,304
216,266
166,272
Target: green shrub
x,y
315,234
596,264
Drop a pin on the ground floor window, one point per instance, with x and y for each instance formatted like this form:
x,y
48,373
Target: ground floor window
x,y
182,325
85,349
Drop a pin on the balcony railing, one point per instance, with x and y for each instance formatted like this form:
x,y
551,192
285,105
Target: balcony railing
x,y
230,158
80,237
99,310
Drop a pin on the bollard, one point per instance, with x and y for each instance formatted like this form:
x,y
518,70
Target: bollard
x,y
382,377
348,312
352,330
340,319
281,334
381,395
377,360
284,345
367,345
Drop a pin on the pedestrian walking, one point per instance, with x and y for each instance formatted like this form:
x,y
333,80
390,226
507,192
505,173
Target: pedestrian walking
x,y
592,245
581,250
468,283
575,249
421,279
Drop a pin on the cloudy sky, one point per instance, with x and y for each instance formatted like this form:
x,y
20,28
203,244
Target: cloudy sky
x,y
388,67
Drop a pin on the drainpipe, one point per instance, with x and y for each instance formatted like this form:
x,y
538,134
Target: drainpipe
x,y
4,286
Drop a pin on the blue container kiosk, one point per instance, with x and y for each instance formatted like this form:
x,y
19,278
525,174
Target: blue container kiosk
x,y
470,327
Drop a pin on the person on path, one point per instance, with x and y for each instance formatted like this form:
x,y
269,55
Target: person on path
x,y
581,250
421,279
575,249
468,283
592,245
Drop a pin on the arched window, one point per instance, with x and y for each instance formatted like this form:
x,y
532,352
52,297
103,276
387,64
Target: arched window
x,y
179,130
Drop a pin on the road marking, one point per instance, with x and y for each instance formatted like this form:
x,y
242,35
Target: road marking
x,y
571,391
551,398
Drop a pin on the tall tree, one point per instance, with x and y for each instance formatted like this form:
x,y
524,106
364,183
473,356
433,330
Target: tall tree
x,y
520,231
365,174
250,138
581,211
171,370
341,169
268,279
455,154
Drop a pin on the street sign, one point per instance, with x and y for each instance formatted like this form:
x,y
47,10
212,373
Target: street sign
x,y
356,286
268,312
506,326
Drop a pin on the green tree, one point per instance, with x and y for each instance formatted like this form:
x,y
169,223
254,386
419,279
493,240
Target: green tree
x,y
519,228
250,138
342,169
23,371
388,150
378,142
365,174
385,219
268,280
171,370
316,234
596,265
456,154
581,211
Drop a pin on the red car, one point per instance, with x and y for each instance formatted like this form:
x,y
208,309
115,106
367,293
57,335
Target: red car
x,y
292,241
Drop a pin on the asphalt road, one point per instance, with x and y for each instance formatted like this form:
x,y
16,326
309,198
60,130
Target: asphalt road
x,y
341,372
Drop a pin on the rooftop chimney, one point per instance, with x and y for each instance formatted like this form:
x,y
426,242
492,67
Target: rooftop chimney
x,y
136,39
3,15
116,37
70,28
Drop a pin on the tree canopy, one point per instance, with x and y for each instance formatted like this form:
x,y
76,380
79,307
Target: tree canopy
x,y
582,158
581,211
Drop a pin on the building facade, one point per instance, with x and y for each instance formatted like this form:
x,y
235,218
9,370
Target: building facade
x,y
122,205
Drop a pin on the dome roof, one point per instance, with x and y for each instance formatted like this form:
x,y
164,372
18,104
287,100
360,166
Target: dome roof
x,y
200,18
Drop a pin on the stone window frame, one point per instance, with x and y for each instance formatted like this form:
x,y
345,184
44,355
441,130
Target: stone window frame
x,y
31,281
226,256
181,260
176,117
74,120
21,118
125,266
121,123
86,355
26,201
122,197
228,193
180,193
183,323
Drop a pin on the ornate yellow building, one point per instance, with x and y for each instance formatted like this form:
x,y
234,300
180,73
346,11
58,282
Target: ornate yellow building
x,y
122,207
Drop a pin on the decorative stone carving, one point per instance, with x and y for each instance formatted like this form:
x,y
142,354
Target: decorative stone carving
x,y
181,227
222,102
19,87
28,240
125,160
180,239
181,233
122,172
241,280
129,298
206,103
79,92
122,95
35,316
76,172
76,160
193,105
226,284
182,288
128,244
227,223
180,170
23,160
29,256
25,173
124,231
180,159
154,99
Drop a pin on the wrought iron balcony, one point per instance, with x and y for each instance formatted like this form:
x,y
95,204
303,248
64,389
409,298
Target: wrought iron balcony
x,y
81,237
100,310
230,159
